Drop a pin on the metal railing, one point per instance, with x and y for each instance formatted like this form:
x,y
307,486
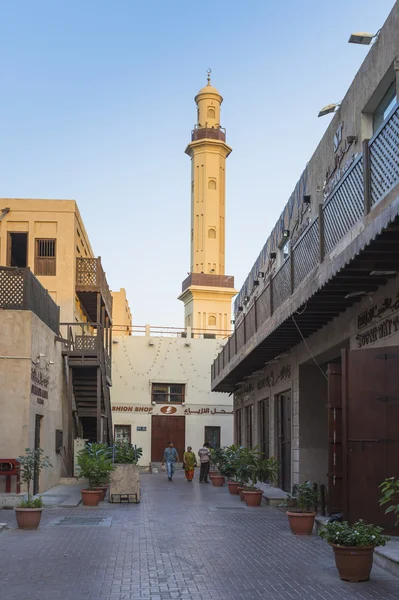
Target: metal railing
x,y
210,133
20,290
164,331
376,170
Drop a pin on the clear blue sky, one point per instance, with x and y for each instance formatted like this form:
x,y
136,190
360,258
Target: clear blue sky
x,y
97,104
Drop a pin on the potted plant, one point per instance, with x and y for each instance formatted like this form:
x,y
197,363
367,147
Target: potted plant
x,y
96,469
353,547
100,449
125,479
29,512
301,518
218,459
260,469
232,454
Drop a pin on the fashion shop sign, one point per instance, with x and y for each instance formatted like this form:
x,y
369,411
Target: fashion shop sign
x,y
145,409
382,329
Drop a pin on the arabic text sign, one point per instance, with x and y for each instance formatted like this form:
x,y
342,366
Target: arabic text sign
x,y
207,411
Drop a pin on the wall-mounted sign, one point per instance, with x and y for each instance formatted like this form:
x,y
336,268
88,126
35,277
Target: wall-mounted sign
x,y
39,385
383,330
207,411
168,410
147,409
141,428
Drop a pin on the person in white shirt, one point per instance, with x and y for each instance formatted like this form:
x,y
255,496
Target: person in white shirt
x,y
205,459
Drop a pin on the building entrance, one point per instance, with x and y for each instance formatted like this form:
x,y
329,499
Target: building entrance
x,y
165,429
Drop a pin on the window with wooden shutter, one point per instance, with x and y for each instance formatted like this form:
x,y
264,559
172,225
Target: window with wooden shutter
x,y
45,259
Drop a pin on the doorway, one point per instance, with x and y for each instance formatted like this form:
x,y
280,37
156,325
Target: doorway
x,y
263,420
38,422
370,435
283,414
212,436
17,251
165,429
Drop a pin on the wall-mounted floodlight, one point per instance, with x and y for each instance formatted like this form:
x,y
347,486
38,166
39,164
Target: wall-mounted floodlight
x,y
362,38
256,282
330,108
306,199
355,294
240,308
273,255
261,274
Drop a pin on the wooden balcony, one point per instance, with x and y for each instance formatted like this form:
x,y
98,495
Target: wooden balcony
x,y
20,290
91,281
208,279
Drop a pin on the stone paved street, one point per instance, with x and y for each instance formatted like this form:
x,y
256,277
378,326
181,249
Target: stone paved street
x,y
184,540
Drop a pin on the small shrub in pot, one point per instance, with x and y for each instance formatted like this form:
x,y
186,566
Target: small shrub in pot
x,y
29,512
353,547
301,518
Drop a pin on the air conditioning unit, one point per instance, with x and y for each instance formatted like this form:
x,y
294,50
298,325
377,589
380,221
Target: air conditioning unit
x,y
151,342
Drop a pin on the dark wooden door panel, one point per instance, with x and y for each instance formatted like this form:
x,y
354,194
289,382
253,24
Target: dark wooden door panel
x,y
370,387
167,429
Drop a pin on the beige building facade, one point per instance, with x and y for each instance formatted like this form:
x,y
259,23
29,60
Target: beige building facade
x,y
121,314
47,236
33,396
207,292
161,392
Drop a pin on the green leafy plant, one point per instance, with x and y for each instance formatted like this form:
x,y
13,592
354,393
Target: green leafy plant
x,y
127,454
304,498
218,458
252,468
33,461
98,449
359,534
32,503
390,489
96,469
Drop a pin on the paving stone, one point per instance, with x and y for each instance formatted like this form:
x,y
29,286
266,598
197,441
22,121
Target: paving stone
x,y
187,542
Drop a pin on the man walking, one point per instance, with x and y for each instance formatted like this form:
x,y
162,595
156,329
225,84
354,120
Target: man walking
x,y
205,459
170,456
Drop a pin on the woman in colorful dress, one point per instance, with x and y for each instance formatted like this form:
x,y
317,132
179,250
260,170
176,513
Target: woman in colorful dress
x,y
189,463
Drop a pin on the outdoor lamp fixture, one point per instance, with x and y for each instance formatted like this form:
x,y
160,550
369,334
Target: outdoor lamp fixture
x,y
330,108
286,233
362,38
183,404
261,274
240,308
153,403
355,294
307,199
246,299
383,273
273,255
256,282
232,322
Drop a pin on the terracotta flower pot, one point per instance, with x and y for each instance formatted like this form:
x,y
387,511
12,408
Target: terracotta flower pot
x,y
233,487
91,497
103,489
253,498
28,518
217,480
241,489
353,563
301,523
212,473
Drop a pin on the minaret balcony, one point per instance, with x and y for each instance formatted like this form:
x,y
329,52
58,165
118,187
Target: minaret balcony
x,y
210,133
208,279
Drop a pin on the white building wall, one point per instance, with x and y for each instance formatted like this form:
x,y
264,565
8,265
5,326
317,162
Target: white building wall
x,y
139,361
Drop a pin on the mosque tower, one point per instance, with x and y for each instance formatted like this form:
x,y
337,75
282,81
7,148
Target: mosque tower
x,y
207,292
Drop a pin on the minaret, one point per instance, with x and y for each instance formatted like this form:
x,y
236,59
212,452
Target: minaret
x,y
207,292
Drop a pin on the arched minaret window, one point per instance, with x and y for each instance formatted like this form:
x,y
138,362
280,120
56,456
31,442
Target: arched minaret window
x,y
212,234
211,113
212,184
212,320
